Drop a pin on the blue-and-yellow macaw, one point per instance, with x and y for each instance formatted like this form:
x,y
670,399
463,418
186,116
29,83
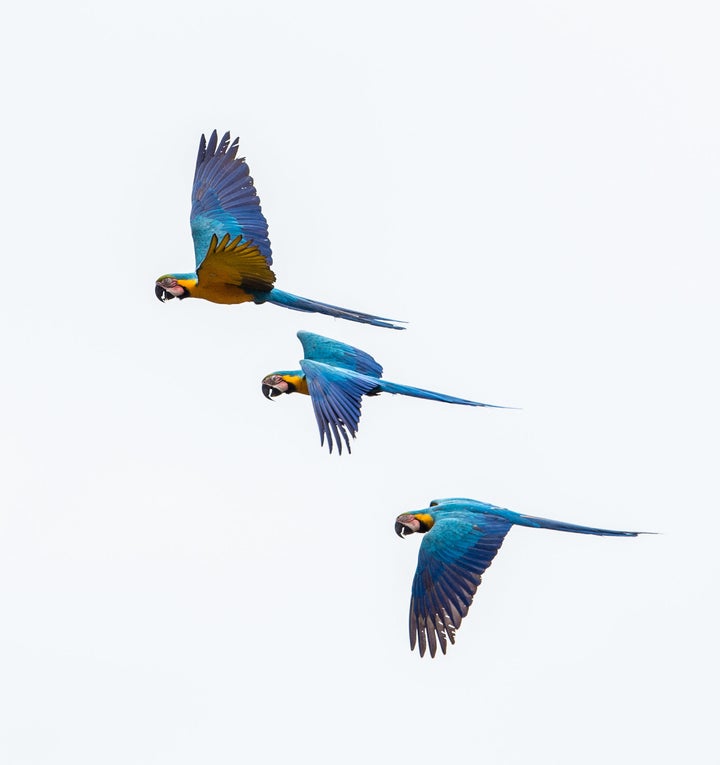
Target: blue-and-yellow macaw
x,y
336,376
232,249
462,536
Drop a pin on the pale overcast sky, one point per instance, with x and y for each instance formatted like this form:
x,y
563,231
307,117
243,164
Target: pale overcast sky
x,y
185,575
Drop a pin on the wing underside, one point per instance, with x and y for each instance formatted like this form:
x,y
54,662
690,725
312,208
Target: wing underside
x,y
235,263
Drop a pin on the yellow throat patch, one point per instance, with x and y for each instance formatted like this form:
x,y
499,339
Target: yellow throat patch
x,y
299,382
426,521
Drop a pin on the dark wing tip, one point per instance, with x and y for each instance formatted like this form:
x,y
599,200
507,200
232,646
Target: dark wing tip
x,y
212,147
201,150
212,143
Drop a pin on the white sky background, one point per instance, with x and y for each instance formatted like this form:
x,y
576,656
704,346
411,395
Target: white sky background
x,y
185,576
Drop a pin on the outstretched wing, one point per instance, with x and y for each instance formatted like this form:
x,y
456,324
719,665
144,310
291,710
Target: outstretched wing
x,y
336,395
452,559
328,351
236,263
224,200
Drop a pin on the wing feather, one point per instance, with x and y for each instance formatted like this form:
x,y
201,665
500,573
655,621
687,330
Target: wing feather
x,y
328,351
224,199
336,397
453,556
235,262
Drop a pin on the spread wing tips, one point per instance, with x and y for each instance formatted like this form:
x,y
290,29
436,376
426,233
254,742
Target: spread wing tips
x,y
201,152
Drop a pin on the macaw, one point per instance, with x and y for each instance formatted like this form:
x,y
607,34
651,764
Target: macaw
x,y
232,249
336,376
462,538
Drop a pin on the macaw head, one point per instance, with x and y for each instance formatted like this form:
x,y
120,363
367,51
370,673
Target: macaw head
x,y
283,382
411,523
174,286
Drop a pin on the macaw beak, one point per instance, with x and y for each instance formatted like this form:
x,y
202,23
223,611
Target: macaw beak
x,y
273,386
162,295
269,392
407,524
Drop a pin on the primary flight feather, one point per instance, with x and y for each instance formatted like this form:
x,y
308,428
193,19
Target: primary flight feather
x,y
232,249
462,536
336,376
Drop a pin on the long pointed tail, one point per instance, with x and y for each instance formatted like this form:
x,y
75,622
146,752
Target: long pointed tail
x,y
296,303
547,523
407,390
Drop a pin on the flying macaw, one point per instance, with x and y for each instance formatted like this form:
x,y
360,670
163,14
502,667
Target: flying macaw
x,y
232,249
336,376
462,538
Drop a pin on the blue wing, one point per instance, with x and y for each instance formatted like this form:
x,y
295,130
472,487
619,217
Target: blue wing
x,y
224,200
336,395
452,559
328,351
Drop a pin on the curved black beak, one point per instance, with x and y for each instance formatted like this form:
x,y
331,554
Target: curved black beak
x,y
401,530
270,393
162,295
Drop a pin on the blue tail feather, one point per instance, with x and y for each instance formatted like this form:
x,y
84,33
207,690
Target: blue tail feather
x,y
407,390
296,303
547,523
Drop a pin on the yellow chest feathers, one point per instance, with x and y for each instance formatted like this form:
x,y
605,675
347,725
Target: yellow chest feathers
x,y
216,292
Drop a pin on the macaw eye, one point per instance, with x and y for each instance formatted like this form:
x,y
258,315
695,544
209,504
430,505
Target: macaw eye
x,y
168,281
